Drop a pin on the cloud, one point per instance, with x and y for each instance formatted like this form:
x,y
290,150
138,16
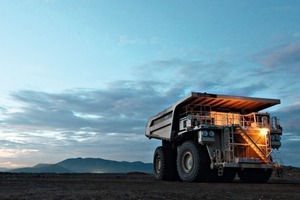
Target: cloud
x,y
125,40
106,122
2,109
278,68
290,116
284,56
117,106
182,76
9,153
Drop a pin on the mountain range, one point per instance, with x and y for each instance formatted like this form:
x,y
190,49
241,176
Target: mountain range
x,y
88,165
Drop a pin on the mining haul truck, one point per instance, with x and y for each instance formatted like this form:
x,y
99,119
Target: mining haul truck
x,y
211,137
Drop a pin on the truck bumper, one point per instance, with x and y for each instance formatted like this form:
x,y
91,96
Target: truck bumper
x,y
248,165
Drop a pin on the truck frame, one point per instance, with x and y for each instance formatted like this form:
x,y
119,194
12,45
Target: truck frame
x,y
213,137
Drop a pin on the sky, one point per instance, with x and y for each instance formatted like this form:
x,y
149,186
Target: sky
x,y
80,78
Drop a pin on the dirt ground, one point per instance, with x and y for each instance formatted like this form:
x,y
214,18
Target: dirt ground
x,y
139,186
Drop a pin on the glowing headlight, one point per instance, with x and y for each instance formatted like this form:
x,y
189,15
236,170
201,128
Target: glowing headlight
x,y
211,134
204,133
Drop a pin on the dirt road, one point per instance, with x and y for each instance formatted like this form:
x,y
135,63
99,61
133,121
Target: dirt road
x,y
138,186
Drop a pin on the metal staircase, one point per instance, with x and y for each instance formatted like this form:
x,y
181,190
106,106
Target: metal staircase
x,y
252,144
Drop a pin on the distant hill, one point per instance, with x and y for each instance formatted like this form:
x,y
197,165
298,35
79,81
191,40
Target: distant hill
x,y
43,168
3,169
88,165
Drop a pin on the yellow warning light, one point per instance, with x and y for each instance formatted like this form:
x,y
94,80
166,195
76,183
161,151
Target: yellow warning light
x,y
264,131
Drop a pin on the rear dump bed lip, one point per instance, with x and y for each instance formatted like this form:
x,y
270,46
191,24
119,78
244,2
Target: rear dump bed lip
x,y
240,104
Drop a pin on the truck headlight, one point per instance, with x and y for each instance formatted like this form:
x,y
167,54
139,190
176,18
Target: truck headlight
x,y
204,133
211,134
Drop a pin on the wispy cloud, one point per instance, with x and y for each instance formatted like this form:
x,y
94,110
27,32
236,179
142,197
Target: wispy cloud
x,y
108,121
284,56
290,116
120,104
126,40
183,76
278,67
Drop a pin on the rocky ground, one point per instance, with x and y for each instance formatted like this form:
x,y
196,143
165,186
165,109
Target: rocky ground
x,y
140,186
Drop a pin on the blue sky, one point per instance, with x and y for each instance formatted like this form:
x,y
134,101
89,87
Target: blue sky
x,y
81,78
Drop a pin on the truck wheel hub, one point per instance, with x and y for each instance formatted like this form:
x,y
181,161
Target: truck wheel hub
x,y
158,164
187,162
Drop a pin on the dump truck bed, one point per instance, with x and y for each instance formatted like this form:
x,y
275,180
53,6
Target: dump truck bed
x,y
165,124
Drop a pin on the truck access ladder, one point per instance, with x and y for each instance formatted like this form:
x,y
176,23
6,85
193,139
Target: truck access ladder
x,y
252,144
229,144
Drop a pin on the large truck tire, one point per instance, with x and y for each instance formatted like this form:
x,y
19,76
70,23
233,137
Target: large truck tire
x,y
191,162
164,164
254,175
